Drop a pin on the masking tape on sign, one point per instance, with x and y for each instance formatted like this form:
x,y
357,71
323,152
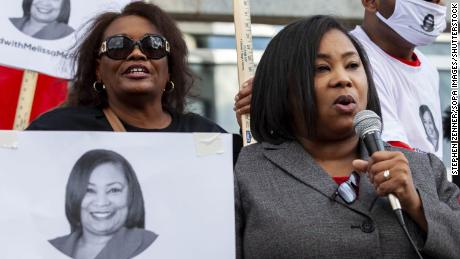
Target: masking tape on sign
x,y
208,144
8,139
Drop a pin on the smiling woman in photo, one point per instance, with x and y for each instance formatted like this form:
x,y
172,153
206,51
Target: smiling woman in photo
x,y
44,19
105,209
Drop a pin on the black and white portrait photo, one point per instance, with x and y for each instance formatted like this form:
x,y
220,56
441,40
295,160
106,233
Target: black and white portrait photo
x,y
112,195
44,19
105,209
39,35
429,125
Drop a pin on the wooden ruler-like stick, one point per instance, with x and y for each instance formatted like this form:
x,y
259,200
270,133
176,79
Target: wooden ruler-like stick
x,y
243,35
26,98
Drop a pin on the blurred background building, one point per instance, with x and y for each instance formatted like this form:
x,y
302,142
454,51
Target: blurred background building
x,y
209,30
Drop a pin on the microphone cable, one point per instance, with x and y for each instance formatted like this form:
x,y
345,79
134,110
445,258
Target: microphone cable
x,y
400,217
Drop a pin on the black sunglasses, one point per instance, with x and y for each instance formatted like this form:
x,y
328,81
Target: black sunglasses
x,y
119,47
347,190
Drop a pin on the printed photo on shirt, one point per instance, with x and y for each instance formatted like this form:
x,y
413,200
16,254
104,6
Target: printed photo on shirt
x,y
429,125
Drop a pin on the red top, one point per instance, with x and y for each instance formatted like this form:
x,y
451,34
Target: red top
x,y
340,179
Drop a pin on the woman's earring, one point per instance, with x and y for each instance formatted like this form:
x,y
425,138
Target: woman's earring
x,y
171,88
98,87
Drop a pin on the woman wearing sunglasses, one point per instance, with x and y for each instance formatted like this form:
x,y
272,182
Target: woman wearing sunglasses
x,y
302,191
132,75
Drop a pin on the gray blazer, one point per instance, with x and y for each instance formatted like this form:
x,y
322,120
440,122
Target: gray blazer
x,y
286,208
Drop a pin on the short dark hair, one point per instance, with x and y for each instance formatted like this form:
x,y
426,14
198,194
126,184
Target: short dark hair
x,y
424,108
64,14
285,77
86,56
446,119
78,184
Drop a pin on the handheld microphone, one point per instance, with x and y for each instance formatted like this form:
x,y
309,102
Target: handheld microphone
x,y
368,126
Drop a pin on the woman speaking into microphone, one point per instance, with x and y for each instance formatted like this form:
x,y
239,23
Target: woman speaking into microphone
x,y
309,189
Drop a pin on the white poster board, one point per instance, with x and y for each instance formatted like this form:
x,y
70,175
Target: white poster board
x,y
46,50
188,197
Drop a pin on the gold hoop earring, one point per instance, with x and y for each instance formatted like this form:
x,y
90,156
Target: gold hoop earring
x,y
98,86
171,88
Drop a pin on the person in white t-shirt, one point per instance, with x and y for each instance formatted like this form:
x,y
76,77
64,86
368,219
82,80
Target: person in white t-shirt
x,y
407,83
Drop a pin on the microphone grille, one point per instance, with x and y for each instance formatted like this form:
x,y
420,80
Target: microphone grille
x,y
366,121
